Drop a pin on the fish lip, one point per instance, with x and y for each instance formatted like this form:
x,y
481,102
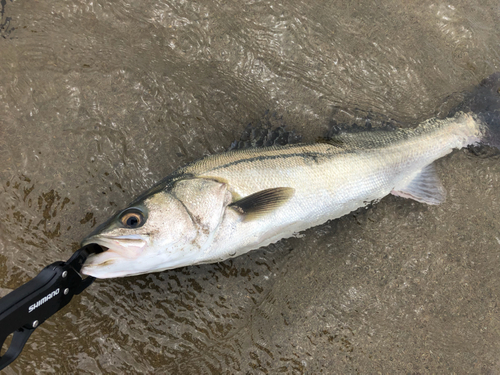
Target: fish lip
x,y
114,249
120,251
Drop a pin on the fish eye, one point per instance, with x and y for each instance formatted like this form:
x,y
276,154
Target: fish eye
x,y
132,218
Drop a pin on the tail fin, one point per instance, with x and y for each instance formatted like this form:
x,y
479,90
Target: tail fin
x,y
484,102
491,120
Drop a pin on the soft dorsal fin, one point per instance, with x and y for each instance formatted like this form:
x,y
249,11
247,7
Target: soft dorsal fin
x,y
262,202
424,187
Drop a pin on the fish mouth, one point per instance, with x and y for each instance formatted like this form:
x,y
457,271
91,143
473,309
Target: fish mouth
x,y
116,251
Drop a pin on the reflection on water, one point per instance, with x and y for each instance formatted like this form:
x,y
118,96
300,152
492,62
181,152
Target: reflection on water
x,y
100,100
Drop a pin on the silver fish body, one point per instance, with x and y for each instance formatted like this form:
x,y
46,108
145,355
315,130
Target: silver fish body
x,y
227,204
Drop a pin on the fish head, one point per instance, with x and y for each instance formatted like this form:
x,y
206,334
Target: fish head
x,y
165,230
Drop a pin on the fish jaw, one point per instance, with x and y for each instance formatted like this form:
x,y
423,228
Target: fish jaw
x,y
130,246
137,256
120,254
110,264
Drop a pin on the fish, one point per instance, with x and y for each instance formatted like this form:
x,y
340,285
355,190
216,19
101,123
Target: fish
x,y
225,205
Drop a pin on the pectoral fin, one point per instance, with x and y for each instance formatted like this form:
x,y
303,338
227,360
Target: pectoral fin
x,y
262,202
424,187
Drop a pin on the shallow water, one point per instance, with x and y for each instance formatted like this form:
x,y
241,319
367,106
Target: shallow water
x,y
99,100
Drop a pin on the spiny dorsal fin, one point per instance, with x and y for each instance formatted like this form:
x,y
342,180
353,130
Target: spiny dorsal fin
x,y
262,202
424,187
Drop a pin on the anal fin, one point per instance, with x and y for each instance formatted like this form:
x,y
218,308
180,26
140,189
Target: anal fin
x,y
262,202
424,187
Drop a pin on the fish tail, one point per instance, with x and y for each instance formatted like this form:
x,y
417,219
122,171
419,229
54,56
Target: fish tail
x,y
491,128
484,103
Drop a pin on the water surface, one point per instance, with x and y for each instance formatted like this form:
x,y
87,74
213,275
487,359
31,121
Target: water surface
x,y
99,100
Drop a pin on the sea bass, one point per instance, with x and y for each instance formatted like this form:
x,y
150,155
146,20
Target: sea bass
x,y
227,204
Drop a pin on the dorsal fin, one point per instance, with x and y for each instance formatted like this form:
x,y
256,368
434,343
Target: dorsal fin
x,y
262,202
424,187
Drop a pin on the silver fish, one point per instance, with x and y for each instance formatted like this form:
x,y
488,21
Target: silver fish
x,y
227,204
